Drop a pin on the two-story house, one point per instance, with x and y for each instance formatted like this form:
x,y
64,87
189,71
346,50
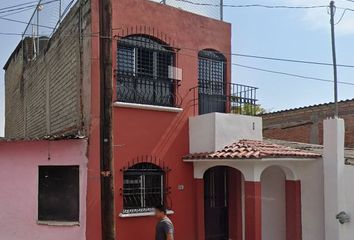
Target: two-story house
x,y
178,134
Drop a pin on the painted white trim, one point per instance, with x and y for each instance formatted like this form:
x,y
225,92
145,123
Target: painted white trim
x,y
145,214
58,223
252,169
147,107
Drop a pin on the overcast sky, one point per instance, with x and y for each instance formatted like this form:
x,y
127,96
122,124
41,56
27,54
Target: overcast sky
x,y
283,33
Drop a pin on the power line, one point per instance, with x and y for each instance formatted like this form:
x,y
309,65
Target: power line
x,y
291,60
239,54
16,12
23,8
290,74
253,5
341,17
16,9
19,5
19,21
245,66
279,72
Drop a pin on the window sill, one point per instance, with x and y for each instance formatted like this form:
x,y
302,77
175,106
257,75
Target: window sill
x,y
145,214
58,223
147,107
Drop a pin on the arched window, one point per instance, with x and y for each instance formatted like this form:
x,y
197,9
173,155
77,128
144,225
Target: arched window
x,y
143,188
212,82
144,71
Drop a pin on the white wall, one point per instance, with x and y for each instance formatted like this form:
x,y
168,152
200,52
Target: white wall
x,y
273,204
338,184
213,131
310,172
312,205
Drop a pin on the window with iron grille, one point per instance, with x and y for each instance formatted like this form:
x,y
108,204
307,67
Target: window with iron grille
x,y
143,71
211,82
143,188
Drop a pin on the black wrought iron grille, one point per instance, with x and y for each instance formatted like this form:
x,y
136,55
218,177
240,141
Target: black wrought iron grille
x,y
243,99
211,82
144,71
215,94
143,188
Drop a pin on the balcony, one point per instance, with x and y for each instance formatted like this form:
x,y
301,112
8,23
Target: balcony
x,y
213,96
147,90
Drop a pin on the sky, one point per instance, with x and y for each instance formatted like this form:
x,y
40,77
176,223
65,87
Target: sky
x,y
282,33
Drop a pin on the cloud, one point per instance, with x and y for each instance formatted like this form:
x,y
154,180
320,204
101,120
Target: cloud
x,y
318,19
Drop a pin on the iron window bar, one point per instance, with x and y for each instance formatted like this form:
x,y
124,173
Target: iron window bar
x,y
144,72
143,188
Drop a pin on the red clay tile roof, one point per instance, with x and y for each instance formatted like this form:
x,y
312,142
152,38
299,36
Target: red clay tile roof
x,y
254,149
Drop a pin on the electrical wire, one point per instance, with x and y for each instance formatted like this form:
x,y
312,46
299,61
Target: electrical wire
x,y
253,5
240,55
19,21
290,74
20,5
290,60
17,9
20,10
232,54
341,17
278,72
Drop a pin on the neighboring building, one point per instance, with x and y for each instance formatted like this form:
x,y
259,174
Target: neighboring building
x,y
43,190
176,139
305,124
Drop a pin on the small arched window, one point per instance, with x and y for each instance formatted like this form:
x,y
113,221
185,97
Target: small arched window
x,y
212,82
143,188
144,71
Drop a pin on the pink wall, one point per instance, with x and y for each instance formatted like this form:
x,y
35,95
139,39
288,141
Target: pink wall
x,y
19,163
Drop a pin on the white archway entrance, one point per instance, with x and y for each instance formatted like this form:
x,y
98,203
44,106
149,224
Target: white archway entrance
x,y
273,204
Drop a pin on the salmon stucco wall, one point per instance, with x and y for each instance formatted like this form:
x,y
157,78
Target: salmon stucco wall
x,y
162,136
19,163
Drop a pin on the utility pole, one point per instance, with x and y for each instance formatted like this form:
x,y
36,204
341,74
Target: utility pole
x,y
221,10
106,93
332,11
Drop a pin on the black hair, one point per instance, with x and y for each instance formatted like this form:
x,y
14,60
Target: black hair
x,y
161,208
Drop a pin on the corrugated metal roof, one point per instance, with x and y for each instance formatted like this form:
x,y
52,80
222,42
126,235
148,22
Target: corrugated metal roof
x,y
315,148
306,107
250,149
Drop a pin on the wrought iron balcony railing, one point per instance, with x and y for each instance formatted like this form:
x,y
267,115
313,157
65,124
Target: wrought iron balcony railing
x,y
213,96
147,90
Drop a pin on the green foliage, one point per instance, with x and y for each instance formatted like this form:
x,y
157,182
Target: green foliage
x,y
248,109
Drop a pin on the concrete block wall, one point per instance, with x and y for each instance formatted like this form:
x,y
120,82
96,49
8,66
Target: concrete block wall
x,y
305,124
14,95
44,96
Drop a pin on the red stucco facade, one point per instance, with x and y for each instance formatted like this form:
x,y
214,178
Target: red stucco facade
x,y
161,135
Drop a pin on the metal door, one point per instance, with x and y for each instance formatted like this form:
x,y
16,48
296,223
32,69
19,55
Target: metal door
x,y
216,204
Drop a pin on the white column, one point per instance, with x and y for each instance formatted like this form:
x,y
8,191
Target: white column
x,y
333,164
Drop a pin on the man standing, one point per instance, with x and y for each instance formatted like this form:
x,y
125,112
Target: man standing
x,y
164,227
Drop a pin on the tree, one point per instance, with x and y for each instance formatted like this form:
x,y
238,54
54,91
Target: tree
x,y
248,109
